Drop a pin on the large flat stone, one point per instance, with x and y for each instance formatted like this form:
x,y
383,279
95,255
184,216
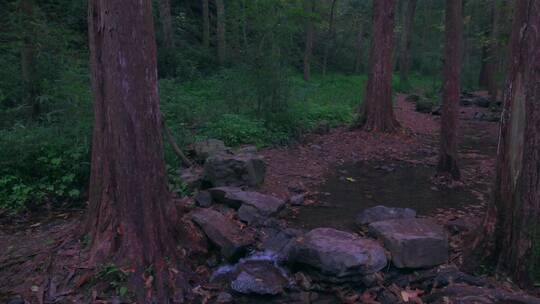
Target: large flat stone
x,y
223,232
259,277
242,169
252,205
413,243
381,213
337,253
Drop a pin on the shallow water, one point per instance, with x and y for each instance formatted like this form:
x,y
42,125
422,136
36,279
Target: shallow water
x,y
351,188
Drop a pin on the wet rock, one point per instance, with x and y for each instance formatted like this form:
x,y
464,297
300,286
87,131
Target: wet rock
x,y
259,277
412,98
249,214
192,177
247,149
223,232
242,169
413,243
336,253
297,200
224,298
207,148
16,301
203,199
424,106
278,243
234,197
381,213
444,276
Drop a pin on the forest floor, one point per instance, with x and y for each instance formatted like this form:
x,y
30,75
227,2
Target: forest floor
x,y
344,171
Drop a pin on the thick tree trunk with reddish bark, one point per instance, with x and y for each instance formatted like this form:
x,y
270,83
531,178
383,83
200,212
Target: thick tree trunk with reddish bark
x,y
406,39
329,37
28,53
220,31
377,113
448,153
130,216
206,24
166,23
308,48
511,236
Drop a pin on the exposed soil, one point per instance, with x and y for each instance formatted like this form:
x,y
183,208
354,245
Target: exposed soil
x,y
344,171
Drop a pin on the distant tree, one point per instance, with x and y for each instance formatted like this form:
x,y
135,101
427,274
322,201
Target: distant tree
x,y
220,30
330,35
28,54
130,218
166,23
377,113
309,34
451,89
359,48
405,44
511,230
206,24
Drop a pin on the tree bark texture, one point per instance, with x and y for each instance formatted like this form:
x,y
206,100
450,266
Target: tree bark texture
x,y
130,216
511,235
329,37
28,53
166,23
377,113
206,23
220,30
309,32
406,39
448,152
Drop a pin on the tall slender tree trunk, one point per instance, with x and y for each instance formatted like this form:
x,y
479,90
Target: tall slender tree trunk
x,y
220,29
206,24
166,23
329,37
448,153
130,216
511,235
406,39
28,53
492,52
358,64
377,112
308,49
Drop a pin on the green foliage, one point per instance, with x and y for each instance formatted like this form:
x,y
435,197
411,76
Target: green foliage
x,y
115,277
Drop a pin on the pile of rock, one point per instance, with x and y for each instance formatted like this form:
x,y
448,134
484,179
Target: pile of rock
x,y
221,166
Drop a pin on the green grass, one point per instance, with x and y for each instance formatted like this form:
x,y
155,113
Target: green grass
x,y
49,161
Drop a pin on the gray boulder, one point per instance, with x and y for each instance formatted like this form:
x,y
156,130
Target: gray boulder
x,y
259,277
242,169
251,206
192,177
413,242
223,232
381,213
207,148
203,199
337,253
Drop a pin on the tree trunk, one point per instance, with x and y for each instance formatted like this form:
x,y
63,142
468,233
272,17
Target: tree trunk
x,y
329,37
358,64
28,52
206,24
492,50
308,50
451,89
130,216
511,236
406,38
377,113
220,29
166,23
